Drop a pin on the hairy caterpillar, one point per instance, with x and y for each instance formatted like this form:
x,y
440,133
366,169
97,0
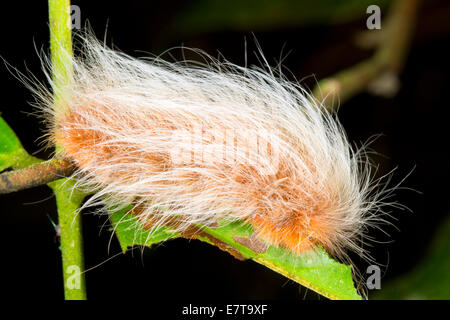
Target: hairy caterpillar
x,y
203,142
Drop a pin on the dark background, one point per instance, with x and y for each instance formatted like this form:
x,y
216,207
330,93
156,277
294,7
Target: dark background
x,y
414,128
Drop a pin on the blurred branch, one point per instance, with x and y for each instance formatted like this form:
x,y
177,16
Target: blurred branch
x,y
378,73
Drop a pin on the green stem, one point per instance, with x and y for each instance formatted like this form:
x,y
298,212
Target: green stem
x,y
68,200
69,220
61,49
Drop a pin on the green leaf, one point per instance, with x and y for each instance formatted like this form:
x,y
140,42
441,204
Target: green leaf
x,y
315,270
130,232
210,16
12,154
428,280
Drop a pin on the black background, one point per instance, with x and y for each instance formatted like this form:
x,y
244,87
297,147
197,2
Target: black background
x,y
413,125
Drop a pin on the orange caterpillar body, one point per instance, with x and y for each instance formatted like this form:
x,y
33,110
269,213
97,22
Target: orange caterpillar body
x,y
208,142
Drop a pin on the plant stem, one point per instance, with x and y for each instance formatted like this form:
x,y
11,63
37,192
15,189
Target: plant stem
x,y
61,49
68,200
35,175
389,57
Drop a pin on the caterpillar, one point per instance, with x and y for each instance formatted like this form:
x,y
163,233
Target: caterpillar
x,y
202,142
